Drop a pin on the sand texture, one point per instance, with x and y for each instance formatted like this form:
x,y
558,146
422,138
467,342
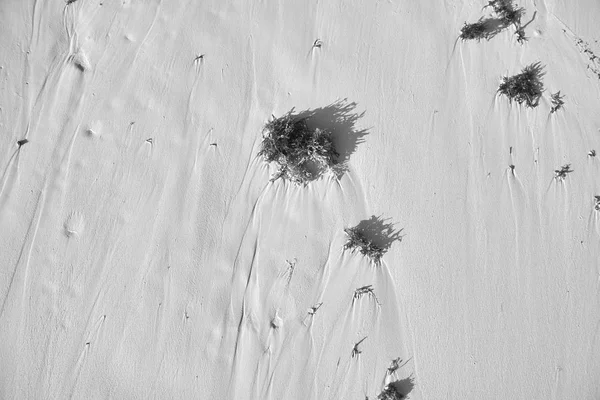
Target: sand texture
x,y
146,254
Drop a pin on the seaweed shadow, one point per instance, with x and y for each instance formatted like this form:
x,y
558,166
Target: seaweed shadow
x,y
493,26
404,386
340,119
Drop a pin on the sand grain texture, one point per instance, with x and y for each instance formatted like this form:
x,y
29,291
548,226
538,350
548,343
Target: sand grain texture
x,y
145,254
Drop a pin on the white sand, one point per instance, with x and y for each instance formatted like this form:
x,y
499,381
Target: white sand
x,y
143,249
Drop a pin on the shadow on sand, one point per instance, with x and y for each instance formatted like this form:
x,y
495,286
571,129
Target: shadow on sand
x,y
340,119
404,386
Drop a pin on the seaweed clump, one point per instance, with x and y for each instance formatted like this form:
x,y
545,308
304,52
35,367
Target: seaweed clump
x,y
357,240
526,87
507,12
557,101
390,393
301,153
474,31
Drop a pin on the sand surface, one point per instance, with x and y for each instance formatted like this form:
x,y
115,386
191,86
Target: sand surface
x,y
145,254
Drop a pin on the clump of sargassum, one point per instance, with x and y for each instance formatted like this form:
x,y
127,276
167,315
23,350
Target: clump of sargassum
x,y
358,241
525,87
301,153
390,393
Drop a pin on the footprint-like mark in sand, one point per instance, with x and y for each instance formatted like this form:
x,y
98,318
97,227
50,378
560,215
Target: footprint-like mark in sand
x,y
74,224
81,61
94,129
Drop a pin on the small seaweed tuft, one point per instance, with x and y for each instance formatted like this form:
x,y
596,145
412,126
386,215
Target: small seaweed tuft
x,y
526,87
557,101
372,237
355,350
562,172
365,290
520,33
357,240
